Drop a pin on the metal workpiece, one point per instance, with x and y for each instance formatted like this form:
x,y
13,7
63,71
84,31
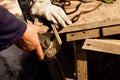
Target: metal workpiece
x,y
50,48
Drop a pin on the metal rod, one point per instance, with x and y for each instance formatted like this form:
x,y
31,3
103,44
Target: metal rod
x,y
56,33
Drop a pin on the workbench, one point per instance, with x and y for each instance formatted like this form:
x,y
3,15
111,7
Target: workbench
x,y
91,28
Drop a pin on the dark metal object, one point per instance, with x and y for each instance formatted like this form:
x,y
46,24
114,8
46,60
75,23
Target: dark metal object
x,y
76,17
63,3
25,8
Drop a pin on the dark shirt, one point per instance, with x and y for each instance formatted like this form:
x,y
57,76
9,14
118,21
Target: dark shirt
x,y
11,28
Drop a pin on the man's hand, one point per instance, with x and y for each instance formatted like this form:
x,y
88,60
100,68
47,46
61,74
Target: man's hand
x,y
29,41
51,12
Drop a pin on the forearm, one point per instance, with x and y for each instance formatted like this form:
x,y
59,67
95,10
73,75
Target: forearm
x,y
11,28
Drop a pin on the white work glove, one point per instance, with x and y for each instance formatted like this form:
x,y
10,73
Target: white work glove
x,y
51,12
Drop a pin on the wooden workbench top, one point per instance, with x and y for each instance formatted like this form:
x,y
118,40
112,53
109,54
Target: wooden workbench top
x,y
105,15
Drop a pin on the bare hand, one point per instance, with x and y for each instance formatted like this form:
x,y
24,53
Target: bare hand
x,y
29,41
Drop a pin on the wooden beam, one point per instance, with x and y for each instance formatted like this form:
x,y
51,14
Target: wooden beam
x,y
108,46
83,35
81,62
111,30
92,25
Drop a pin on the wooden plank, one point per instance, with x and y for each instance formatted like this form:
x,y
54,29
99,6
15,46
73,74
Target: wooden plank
x,y
83,35
98,24
111,30
108,46
81,62
105,15
13,7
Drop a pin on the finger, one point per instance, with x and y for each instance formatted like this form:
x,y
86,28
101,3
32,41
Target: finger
x,y
54,21
64,16
48,15
39,52
58,18
51,18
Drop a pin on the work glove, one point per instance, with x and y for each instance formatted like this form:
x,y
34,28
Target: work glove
x,y
45,8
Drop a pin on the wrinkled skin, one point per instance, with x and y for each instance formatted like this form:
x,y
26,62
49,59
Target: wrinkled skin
x,y
30,41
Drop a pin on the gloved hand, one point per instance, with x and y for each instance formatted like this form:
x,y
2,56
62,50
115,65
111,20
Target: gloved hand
x,y
51,12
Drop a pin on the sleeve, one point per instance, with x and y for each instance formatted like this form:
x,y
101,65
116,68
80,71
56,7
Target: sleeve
x,y
11,28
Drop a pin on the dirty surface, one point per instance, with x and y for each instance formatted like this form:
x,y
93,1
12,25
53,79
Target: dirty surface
x,y
106,14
